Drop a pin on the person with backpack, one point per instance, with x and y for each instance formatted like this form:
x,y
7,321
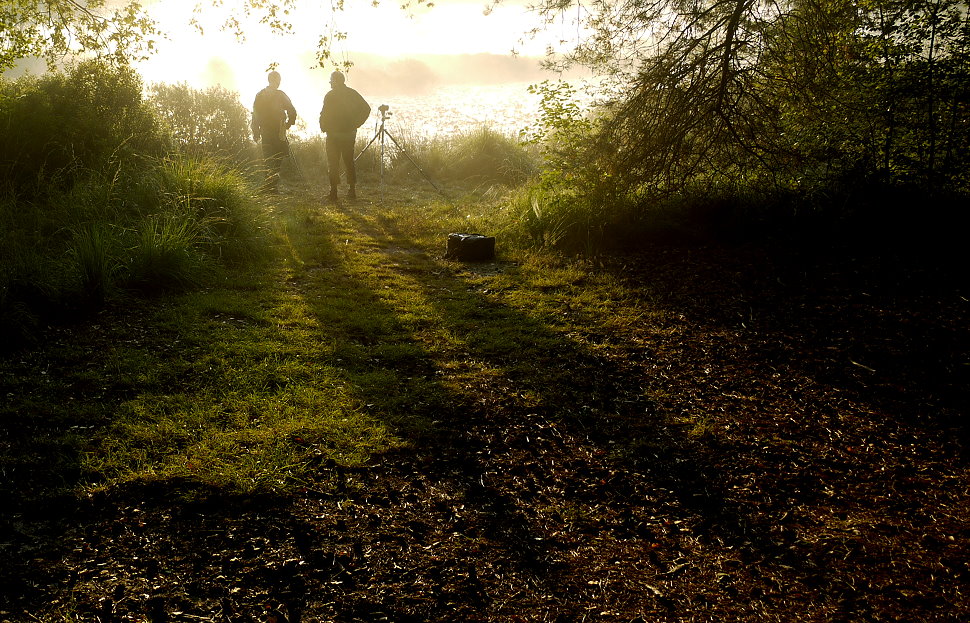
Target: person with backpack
x,y
344,110
273,115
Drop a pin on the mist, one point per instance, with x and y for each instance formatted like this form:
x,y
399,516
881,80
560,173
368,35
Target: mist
x,y
421,74
430,93
218,72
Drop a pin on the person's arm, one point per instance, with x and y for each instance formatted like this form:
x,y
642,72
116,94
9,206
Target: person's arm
x,y
363,110
254,123
325,114
290,110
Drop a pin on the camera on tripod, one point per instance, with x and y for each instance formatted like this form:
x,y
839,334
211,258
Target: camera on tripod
x,y
381,134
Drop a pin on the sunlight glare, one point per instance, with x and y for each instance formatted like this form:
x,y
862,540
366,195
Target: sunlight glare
x,y
216,57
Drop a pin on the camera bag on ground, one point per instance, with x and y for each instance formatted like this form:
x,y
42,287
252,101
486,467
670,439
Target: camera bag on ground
x,y
470,247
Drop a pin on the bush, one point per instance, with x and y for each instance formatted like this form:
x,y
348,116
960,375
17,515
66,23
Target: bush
x,y
56,127
91,203
210,123
481,156
550,214
160,225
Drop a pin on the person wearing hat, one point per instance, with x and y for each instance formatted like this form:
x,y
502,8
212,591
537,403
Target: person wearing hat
x,y
344,110
273,115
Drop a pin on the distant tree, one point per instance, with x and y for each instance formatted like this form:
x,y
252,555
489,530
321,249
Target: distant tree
x,y
59,126
211,122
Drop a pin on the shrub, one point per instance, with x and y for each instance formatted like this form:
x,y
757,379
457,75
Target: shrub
x,y
211,123
550,214
150,225
56,127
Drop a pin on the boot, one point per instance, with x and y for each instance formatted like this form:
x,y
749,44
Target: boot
x,y
332,197
352,194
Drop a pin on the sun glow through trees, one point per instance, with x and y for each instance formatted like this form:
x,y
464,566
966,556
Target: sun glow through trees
x,y
389,48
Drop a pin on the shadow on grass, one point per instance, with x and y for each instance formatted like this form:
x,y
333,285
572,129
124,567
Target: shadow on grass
x,y
543,474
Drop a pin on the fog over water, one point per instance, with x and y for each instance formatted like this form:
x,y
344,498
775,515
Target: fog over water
x,y
428,94
448,110
442,69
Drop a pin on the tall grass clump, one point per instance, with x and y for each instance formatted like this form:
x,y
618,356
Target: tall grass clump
x,y
550,215
219,201
486,156
308,162
96,261
480,157
166,254
93,200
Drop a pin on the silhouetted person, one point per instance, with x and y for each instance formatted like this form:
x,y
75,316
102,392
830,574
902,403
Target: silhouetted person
x,y
344,110
273,114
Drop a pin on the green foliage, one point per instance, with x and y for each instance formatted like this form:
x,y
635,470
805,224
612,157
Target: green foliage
x,y
160,224
55,128
480,156
562,123
556,212
544,214
120,31
166,253
96,261
310,156
783,105
210,122
483,155
219,199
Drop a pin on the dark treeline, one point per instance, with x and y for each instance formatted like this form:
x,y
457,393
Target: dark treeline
x,y
851,109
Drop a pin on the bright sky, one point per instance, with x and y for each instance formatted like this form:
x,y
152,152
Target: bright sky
x,y
450,27
216,57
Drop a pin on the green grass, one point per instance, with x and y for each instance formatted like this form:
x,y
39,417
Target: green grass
x,y
148,225
347,345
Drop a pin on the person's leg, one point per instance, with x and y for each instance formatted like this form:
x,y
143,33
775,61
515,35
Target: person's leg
x,y
273,159
348,156
333,164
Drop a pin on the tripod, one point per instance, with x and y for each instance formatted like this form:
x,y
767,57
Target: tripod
x,y
382,132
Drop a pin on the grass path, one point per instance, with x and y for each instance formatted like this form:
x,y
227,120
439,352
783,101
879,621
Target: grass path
x,y
363,431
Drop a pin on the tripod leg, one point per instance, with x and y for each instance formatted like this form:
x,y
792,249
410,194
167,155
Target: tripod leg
x,y
383,132
299,169
411,160
369,143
